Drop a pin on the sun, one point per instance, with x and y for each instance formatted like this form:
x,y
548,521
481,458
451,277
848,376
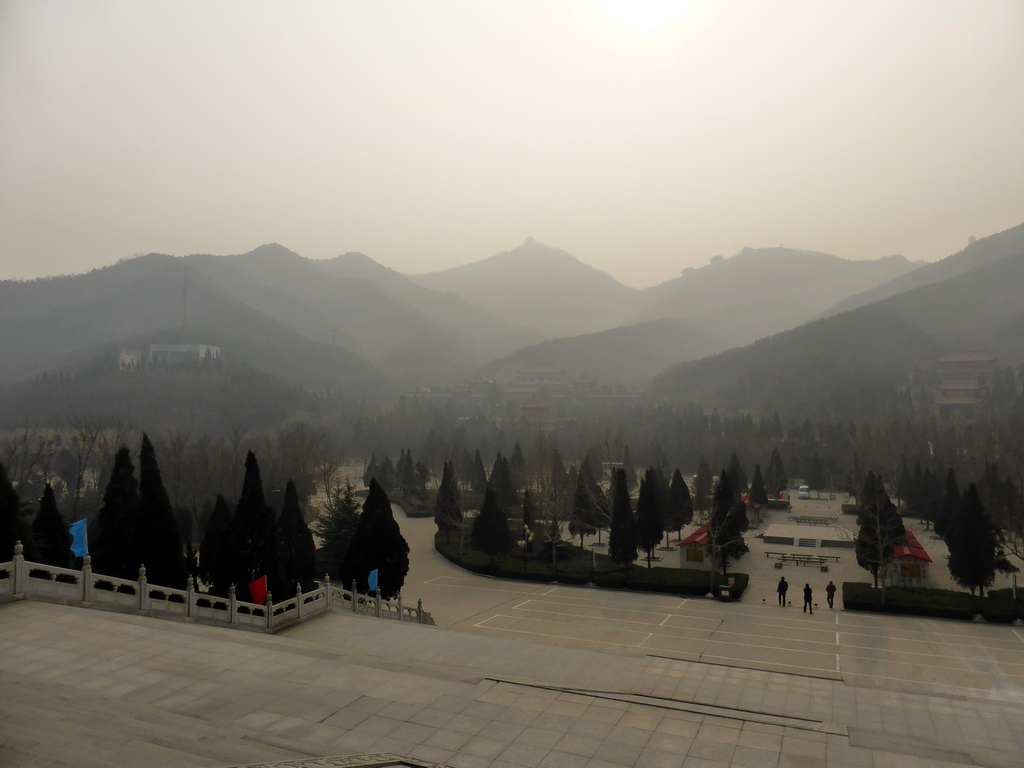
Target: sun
x,y
645,15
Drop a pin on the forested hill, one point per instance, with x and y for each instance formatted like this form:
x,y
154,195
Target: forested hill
x,y
62,324
841,368
542,288
761,291
986,250
842,364
628,355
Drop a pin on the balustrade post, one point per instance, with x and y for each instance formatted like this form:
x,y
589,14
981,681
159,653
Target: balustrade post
x,y
20,572
377,598
268,606
190,598
399,606
232,606
419,611
327,589
143,589
298,600
87,579
355,604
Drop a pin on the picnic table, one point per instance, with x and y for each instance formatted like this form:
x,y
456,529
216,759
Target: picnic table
x,y
822,561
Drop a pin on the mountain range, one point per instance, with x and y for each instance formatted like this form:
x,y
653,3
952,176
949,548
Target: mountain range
x,y
350,325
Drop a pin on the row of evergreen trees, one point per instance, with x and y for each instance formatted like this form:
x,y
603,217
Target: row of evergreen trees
x,y
136,527
977,545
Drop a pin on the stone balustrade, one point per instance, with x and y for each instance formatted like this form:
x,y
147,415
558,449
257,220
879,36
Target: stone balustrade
x,y
21,579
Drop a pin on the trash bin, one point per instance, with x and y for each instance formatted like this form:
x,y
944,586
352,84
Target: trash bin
x,y
724,592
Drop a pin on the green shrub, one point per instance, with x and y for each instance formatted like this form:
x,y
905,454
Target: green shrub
x,y
938,603
579,567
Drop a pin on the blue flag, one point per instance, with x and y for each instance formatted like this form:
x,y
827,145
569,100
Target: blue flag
x,y
372,580
79,539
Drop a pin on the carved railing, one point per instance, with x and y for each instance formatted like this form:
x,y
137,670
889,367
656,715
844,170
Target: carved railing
x,y
23,579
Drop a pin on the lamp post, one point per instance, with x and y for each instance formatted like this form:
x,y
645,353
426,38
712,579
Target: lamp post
x,y
524,543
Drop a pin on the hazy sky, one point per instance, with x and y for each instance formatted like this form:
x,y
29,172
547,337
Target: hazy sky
x,y
642,137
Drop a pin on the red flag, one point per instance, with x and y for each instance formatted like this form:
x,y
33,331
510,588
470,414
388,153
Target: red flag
x,y
258,590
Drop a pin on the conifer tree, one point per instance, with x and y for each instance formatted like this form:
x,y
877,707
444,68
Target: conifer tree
x,y
758,493
51,534
775,478
702,486
622,539
378,545
816,475
13,526
214,570
372,470
627,465
501,481
726,525
680,506
950,502
478,475
648,515
737,476
975,551
448,505
517,468
111,547
336,527
155,541
881,529
295,551
250,547
490,529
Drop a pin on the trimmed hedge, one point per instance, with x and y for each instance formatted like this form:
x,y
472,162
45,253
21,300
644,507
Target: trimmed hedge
x,y
997,606
580,570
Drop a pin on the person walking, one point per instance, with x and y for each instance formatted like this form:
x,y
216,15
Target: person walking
x,y
808,606
830,593
782,589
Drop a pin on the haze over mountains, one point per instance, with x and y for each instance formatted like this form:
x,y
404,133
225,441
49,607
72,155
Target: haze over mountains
x,y
350,325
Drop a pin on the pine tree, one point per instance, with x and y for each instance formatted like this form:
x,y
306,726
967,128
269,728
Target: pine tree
x,y
295,551
378,545
950,503
478,475
775,478
816,475
648,515
51,534
214,570
251,541
702,486
680,505
517,468
726,525
111,550
758,493
627,465
371,471
448,506
490,529
737,476
622,539
501,482
975,552
155,541
336,526
881,529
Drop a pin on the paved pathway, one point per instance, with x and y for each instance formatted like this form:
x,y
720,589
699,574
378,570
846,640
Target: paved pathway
x,y
516,675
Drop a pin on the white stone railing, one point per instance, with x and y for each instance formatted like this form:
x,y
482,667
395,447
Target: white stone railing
x,y
23,579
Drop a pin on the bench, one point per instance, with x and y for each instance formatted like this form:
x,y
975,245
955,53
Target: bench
x,y
821,561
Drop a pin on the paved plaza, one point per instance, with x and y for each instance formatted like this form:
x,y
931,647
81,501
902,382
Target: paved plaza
x,y
518,674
